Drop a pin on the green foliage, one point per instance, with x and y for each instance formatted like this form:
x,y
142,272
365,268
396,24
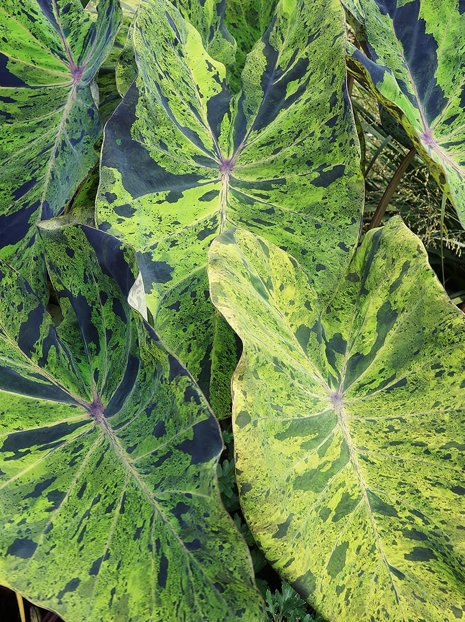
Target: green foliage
x,y
287,606
247,21
50,55
415,63
183,160
108,94
230,174
206,17
108,454
346,420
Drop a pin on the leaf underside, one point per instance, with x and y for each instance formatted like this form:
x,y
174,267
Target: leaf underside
x,y
349,425
108,454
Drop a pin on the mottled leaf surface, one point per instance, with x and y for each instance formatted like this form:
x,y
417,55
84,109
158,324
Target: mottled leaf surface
x,y
109,500
50,51
349,425
109,95
206,16
246,20
416,66
183,160
81,209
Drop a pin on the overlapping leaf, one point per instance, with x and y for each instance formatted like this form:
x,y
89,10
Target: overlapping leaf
x,y
229,30
183,160
108,492
349,425
109,95
207,17
246,20
416,66
49,53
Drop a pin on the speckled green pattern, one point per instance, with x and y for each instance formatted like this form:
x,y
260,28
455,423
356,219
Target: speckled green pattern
x,y
416,66
50,51
108,453
349,426
206,16
81,209
246,20
182,161
109,96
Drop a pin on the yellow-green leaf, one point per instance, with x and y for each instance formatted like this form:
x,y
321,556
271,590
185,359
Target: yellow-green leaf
x,y
415,64
183,159
349,425
50,52
109,501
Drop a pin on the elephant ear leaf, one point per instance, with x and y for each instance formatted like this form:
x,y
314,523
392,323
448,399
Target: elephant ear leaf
x,y
108,454
207,17
107,78
247,20
51,52
415,65
349,425
183,160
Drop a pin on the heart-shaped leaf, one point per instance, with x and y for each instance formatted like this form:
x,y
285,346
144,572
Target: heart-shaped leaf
x,y
51,51
416,67
349,425
182,160
108,453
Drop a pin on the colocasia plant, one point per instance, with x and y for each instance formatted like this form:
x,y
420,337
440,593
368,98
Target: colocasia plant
x,y
215,383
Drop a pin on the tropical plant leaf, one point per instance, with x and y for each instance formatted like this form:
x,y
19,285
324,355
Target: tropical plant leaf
x,y
81,208
416,67
109,95
108,491
50,52
349,425
247,21
207,17
182,160
119,70
126,69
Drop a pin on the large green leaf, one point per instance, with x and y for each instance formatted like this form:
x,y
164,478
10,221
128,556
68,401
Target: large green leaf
x,y
108,453
229,30
206,16
349,425
246,20
50,52
416,66
109,95
182,160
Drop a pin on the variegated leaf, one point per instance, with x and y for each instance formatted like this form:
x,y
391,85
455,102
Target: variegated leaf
x,y
349,425
416,67
108,452
246,20
183,160
206,16
50,51
109,96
